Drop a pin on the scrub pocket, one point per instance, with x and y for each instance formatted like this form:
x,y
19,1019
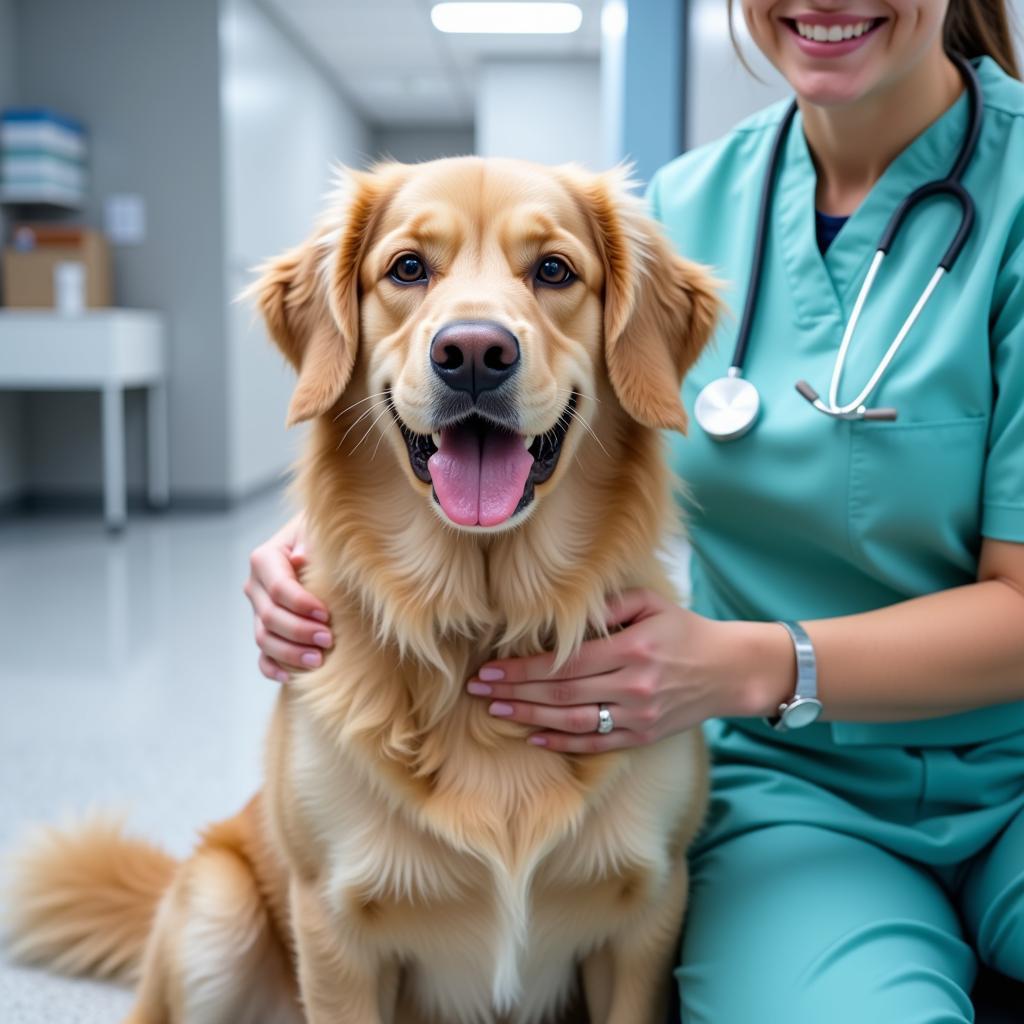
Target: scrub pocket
x,y
915,499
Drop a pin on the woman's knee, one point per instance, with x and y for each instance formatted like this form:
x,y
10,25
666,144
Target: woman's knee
x,y
799,925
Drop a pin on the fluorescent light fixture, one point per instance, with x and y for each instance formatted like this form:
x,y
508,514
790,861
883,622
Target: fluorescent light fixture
x,y
521,18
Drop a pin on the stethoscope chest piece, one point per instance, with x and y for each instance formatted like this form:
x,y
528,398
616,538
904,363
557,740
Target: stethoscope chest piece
x,y
727,407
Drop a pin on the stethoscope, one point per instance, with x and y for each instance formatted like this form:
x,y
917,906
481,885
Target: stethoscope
x,y
727,407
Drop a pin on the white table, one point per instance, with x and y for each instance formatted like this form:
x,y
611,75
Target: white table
x,y
105,350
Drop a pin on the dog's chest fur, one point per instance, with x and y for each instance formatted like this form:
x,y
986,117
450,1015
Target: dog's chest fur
x,y
437,837
492,878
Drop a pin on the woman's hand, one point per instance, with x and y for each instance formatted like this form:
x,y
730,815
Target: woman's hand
x,y
291,624
667,670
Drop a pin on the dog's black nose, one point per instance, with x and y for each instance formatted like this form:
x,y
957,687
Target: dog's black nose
x,y
474,355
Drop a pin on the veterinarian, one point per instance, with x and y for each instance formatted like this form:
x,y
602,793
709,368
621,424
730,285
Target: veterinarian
x,y
855,641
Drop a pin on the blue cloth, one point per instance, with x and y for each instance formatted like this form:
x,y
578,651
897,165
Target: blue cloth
x,y
852,884
857,871
809,517
827,228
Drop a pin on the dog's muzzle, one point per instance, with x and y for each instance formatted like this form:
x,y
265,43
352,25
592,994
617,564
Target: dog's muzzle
x,y
482,470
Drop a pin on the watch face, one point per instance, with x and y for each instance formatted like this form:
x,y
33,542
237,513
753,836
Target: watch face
x,y
801,712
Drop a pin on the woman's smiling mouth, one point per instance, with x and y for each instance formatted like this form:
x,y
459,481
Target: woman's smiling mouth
x,y
831,35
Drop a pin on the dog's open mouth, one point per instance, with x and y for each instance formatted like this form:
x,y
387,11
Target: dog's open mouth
x,y
482,473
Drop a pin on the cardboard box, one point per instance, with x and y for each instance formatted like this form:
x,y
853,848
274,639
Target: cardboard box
x,y
29,265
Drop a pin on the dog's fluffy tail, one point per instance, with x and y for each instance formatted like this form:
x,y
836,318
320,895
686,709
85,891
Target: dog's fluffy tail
x,y
82,900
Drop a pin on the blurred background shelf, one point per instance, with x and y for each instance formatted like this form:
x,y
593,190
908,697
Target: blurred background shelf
x,y
51,195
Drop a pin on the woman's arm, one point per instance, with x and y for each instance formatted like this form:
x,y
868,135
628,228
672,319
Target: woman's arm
x,y
670,669
936,655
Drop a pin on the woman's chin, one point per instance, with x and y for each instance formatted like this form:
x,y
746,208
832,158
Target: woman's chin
x,y
829,88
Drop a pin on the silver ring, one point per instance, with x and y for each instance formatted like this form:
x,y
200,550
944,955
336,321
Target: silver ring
x,y
604,720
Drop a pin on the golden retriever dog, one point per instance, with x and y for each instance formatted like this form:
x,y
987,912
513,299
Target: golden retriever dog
x,y
487,351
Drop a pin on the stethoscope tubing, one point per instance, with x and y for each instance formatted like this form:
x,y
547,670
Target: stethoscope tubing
x,y
949,186
757,259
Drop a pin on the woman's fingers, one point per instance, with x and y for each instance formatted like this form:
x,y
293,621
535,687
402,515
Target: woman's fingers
x,y
272,670
610,687
595,657
593,743
284,637
274,570
631,606
578,719
287,654
287,625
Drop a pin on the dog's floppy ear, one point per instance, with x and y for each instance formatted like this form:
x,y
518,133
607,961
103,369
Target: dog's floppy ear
x,y
659,309
309,297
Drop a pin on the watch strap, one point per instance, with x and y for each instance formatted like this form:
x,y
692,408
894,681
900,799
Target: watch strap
x,y
806,662
805,695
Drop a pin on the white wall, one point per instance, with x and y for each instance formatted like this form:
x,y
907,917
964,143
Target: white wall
x,y
10,403
143,77
543,110
721,91
284,125
413,145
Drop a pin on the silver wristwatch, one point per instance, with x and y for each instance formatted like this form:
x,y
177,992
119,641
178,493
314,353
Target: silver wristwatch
x,y
803,707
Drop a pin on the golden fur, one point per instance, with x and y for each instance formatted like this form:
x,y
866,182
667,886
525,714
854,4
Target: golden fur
x,y
411,859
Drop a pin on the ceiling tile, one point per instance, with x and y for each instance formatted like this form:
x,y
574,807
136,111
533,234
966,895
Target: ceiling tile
x,y
390,60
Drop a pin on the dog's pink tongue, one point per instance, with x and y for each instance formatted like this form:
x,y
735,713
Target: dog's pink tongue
x,y
505,465
479,480
455,472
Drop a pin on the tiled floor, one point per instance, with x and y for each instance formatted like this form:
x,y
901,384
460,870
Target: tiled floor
x,y
127,680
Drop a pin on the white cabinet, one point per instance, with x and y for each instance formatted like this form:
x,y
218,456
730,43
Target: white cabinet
x,y
105,350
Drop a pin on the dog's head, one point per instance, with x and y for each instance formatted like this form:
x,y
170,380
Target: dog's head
x,y
471,313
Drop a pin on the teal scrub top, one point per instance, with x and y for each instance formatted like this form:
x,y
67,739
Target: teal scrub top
x,y
810,517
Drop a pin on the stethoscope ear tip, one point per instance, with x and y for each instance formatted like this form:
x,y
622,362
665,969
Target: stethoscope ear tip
x,y
807,391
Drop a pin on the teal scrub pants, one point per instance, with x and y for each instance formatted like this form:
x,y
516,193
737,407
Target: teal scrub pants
x,y
843,884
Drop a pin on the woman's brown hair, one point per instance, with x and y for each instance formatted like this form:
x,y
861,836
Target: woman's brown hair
x,y
974,28
979,28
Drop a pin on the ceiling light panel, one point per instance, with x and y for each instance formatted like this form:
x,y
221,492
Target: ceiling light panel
x,y
507,18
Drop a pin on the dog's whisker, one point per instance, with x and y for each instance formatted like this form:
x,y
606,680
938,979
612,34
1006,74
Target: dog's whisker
x,y
590,430
360,402
370,428
575,391
366,412
587,427
376,447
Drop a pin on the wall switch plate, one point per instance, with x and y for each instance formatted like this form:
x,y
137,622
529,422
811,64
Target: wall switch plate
x,y
124,219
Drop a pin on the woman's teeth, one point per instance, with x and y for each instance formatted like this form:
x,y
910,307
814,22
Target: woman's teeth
x,y
832,33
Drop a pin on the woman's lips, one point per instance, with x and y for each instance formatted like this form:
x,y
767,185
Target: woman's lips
x,y
856,30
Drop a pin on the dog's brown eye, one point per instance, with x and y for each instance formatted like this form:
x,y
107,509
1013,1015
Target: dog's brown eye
x,y
554,270
408,269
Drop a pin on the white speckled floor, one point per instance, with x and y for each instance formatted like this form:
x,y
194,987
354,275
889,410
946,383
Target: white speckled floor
x,y
127,680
